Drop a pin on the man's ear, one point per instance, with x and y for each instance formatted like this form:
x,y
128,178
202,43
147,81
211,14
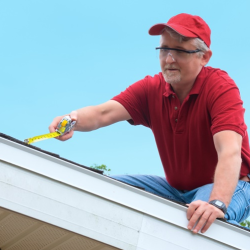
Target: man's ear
x,y
206,57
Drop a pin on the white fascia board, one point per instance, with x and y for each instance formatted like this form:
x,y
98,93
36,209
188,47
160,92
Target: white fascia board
x,y
55,169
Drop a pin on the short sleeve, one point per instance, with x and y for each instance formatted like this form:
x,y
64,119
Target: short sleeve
x,y
225,106
135,101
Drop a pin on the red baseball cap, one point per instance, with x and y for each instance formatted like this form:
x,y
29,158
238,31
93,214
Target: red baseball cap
x,y
186,25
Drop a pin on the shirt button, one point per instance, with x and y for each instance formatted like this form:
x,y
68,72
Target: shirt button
x,y
175,108
176,120
172,96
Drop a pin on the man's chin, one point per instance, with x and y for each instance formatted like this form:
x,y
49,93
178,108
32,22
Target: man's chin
x,y
172,80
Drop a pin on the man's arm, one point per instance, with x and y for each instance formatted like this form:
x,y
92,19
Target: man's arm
x,y
93,117
228,146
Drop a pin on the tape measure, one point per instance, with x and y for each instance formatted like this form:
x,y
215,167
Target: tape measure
x,y
64,126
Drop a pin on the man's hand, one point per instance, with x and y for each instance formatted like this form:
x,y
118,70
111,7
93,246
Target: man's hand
x,y
202,213
55,122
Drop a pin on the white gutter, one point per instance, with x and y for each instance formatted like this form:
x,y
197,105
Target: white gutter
x,y
30,178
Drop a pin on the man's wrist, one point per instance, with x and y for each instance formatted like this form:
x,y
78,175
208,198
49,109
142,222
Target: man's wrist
x,y
219,204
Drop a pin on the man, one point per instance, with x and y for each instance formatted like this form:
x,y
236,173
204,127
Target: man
x,y
197,118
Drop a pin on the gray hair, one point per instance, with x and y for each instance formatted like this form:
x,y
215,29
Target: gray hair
x,y
197,42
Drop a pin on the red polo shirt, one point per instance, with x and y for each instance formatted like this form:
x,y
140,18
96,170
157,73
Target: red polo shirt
x,y
184,133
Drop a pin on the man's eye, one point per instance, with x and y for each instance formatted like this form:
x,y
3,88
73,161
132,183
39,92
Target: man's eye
x,y
164,49
179,52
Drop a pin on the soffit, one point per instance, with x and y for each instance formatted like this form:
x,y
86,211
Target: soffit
x,y
19,232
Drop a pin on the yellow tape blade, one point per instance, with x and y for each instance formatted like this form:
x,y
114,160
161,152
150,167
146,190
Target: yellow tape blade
x,y
41,137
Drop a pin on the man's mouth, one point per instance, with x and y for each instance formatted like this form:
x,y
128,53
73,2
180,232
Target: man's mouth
x,y
171,69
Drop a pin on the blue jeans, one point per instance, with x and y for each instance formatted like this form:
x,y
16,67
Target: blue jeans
x,y
238,209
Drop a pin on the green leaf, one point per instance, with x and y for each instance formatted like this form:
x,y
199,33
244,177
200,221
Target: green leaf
x,y
102,168
245,223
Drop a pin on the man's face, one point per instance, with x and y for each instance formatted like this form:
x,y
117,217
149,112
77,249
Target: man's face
x,y
176,71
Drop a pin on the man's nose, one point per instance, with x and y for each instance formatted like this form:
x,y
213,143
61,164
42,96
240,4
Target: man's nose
x,y
170,58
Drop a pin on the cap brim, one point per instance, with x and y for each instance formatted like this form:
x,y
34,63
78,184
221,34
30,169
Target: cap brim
x,y
157,29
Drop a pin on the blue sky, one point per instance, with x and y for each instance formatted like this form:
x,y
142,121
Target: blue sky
x,y
58,56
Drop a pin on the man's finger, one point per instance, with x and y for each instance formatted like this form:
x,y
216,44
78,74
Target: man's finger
x,y
55,122
195,217
65,136
217,213
202,221
209,222
191,208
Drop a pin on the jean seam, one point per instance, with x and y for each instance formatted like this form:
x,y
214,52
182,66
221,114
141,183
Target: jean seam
x,y
245,213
